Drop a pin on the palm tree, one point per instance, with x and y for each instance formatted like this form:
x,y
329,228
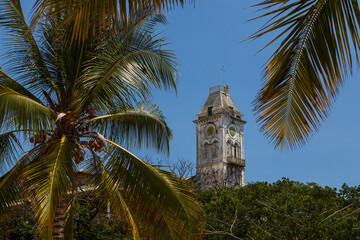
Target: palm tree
x,y
320,42
88,19
72,106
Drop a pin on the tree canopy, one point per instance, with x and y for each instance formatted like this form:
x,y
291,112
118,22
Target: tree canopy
x,y
282,210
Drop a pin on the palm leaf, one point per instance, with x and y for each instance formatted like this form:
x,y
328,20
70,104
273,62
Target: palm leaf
x,y
163,202
126,66
21,112
9,82
9,146
50,179
144,126
108,192
303,76
11,184
25,58
64,61
89,19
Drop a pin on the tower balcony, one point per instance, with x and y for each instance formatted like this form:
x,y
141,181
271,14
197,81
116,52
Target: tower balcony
x,y
235,160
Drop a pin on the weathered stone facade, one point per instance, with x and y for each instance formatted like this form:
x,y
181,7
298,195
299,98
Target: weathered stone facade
x,y
220,156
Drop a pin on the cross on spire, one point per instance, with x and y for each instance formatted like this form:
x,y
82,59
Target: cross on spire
x,y
223,74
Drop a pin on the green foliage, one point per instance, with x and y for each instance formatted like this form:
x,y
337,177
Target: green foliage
x,y
282,210
18,225
90,223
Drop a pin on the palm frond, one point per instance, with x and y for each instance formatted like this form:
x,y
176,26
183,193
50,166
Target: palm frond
x,y
64,61
126,66
50,178
303,76
143,126
89,19
9,82
109,192
156,195
12,185
24,55
9,147
21,112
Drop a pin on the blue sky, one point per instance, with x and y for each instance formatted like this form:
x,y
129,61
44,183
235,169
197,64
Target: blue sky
x,y
209,36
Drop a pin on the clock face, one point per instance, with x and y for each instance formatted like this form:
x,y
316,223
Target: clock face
x,y
210,131
232,131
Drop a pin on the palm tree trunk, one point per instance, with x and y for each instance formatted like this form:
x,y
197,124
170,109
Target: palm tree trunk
x,y
59,222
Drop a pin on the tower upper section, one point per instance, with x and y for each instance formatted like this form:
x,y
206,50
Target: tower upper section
x,y
220,140
219,101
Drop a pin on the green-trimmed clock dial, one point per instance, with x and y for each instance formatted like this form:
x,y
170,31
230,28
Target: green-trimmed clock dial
x,y
232,131
210,131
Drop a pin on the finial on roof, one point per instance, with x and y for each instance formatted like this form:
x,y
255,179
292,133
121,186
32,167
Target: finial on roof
x,y
223,75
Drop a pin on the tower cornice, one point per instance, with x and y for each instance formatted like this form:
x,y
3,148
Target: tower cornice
x,y
215,117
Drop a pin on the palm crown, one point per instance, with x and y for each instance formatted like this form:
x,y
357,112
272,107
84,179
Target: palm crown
x,y
85,104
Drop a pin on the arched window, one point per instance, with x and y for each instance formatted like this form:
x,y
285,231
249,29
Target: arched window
x,y
205,150
214,149
237,150
228,148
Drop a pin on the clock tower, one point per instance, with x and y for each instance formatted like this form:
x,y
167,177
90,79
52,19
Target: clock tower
x,y
220,157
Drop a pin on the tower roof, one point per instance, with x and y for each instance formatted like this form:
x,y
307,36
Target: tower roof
x,y
219,101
